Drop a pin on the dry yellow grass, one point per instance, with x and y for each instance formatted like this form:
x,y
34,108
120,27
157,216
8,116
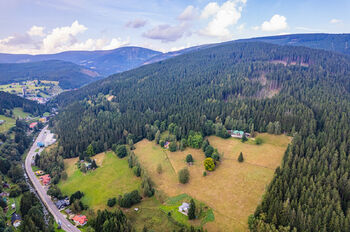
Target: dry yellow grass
x,y
233,190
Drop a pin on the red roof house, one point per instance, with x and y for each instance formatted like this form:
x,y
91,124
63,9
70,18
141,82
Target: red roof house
x,y
45,179
80,219
32,125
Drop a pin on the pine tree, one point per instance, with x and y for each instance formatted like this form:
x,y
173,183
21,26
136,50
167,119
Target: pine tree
x,y
192,210
240,157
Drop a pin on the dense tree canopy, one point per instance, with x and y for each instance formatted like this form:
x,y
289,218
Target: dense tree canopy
x,y
244,86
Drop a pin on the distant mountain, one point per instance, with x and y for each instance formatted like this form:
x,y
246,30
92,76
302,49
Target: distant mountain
x,y
68,74
332,42
105,62
164,56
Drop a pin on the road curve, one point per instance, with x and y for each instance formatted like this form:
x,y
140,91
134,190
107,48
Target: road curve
x,y
66,225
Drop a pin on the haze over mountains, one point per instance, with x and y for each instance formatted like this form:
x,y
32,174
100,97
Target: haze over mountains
x,y
76,68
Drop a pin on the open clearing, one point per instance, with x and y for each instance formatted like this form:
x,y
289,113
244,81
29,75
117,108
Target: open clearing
x,y
233,190
112,178
9,122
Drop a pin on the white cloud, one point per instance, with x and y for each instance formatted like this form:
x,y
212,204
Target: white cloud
x,y
335,21
222,17
62,37
189,13
210,9
241,27
256,28
276,23
36,31
136,23
166,33
58,40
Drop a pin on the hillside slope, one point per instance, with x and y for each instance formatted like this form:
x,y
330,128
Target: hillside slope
x,y
68,74
332,42
105,62
247,86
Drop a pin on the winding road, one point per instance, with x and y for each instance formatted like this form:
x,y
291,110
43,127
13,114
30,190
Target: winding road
x,y
42,137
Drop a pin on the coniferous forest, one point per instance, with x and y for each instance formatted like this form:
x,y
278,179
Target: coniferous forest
x,y
240,86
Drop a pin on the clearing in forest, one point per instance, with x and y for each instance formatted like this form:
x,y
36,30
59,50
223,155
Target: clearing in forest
x,y
113,177
233,190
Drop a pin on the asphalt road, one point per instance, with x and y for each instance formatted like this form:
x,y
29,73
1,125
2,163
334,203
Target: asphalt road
x,y
66,225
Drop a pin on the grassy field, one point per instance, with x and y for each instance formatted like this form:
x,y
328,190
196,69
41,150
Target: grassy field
x,y
9,122
150,215
113,177
18,112
233,190
33,87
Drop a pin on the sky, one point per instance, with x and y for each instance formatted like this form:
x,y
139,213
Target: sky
x,y
52,26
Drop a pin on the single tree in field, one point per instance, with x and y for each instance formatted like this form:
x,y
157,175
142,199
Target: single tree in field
x,y
121,151
189,158
90,150
240,157
192,210
184,176
209,164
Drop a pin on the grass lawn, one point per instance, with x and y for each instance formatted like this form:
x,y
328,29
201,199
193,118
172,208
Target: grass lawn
x,y
233,190
204,214
18,112
11,200
150,215
112,178
9,122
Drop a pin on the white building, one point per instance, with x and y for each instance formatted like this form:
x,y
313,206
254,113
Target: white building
x,y
184,208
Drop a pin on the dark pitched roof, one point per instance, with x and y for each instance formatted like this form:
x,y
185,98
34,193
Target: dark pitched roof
x,y
15,217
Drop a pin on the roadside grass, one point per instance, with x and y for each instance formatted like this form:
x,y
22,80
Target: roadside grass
x,y
113,177
9,122
232,191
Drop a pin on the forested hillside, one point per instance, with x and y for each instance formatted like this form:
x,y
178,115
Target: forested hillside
x,y
244,86
68,74
332,42
9,101
105,62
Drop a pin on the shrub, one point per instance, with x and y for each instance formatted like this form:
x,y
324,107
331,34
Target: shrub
x,y
121,151
161,143
209,164
209,151
137,170
240,157
244,138
189,158
130,199
216,157
172,146
54,191
159,169
184,176
76,195
111,202
258,141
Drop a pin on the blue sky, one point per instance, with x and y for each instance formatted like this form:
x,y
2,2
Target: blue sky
x,y
50,26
